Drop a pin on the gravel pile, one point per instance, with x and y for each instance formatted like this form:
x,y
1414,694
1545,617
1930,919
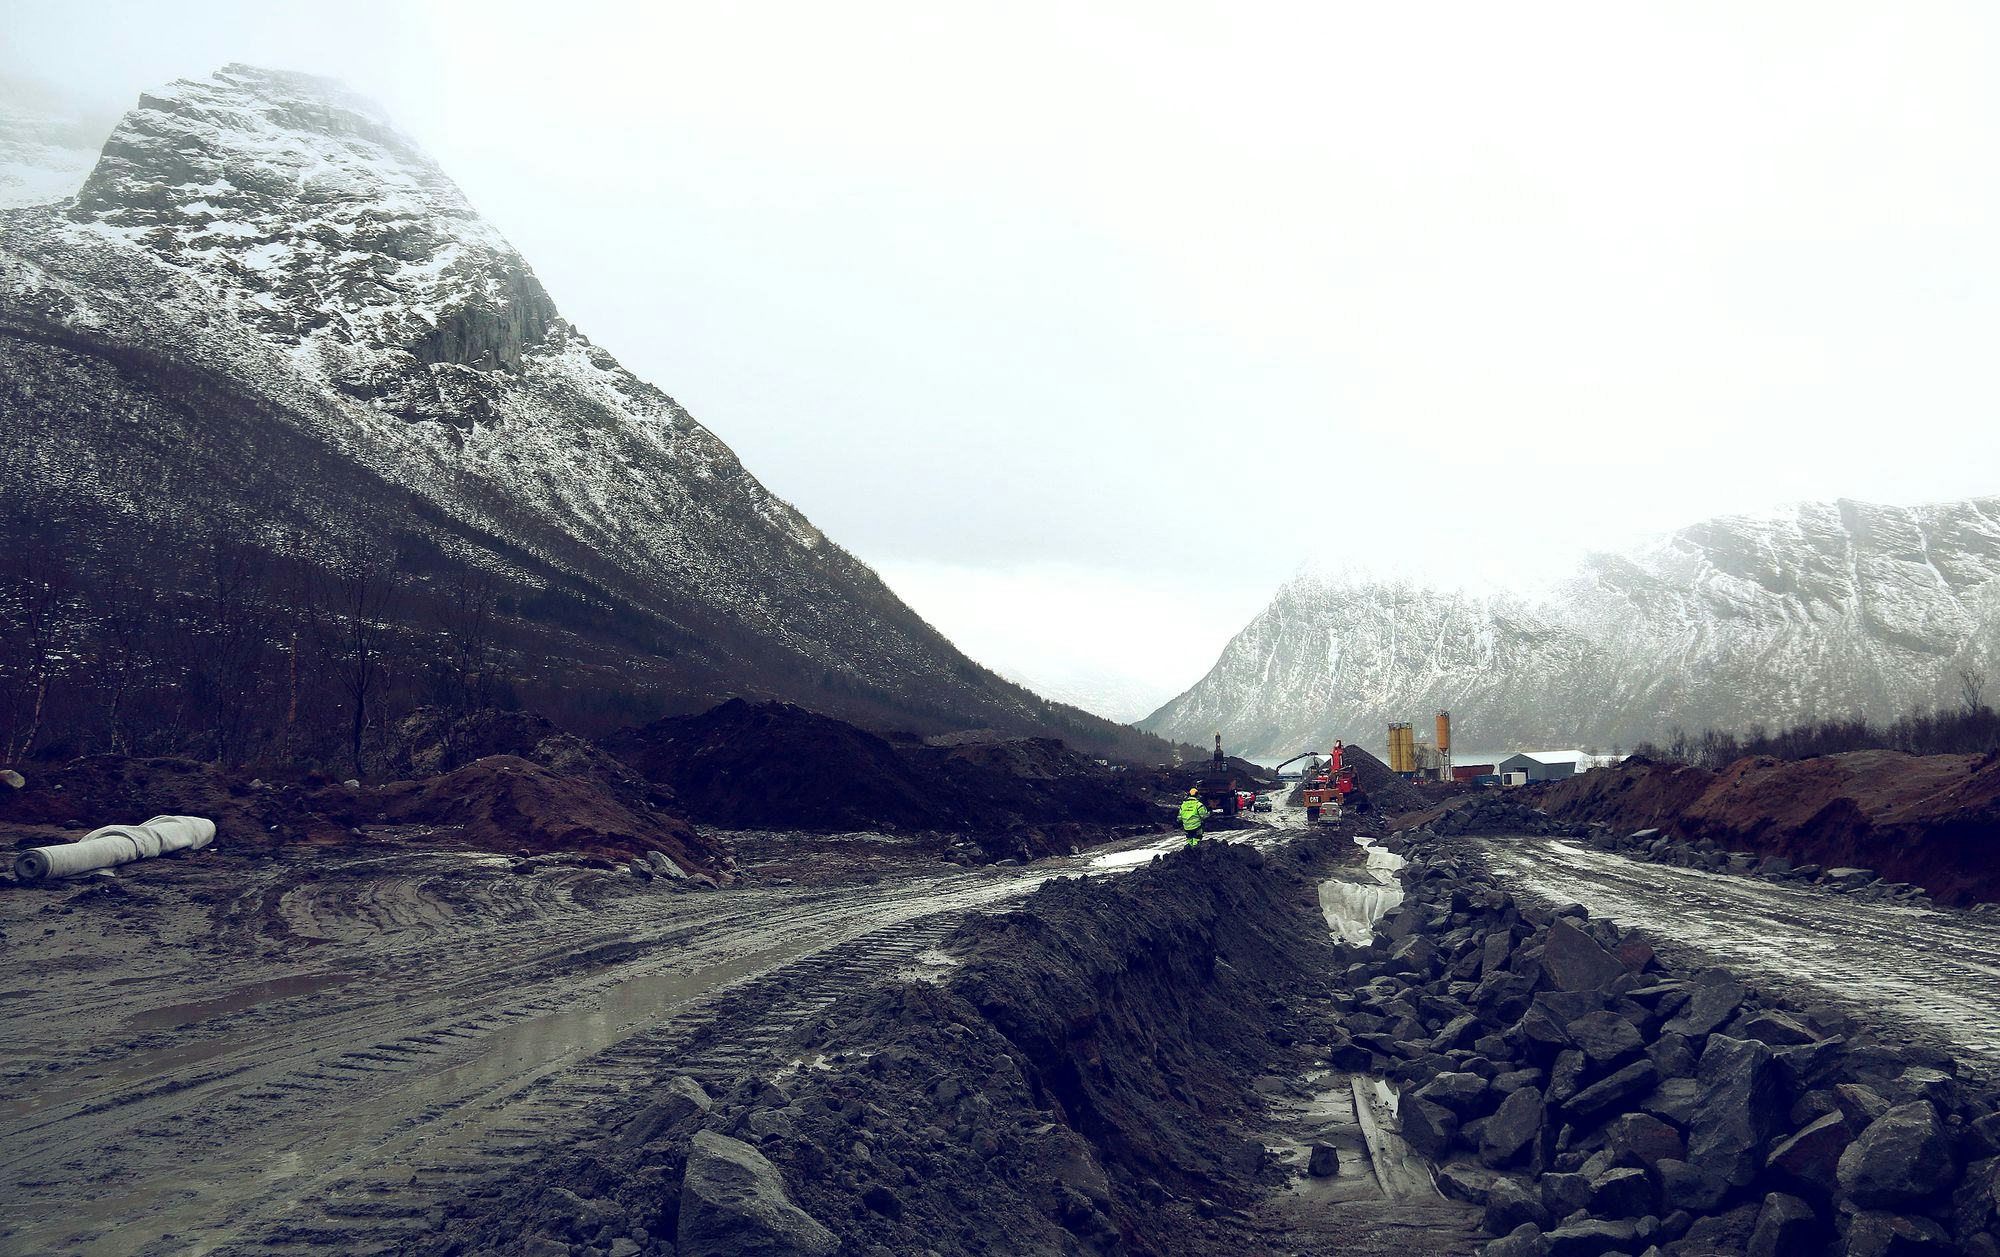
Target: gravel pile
x,y
1593,1102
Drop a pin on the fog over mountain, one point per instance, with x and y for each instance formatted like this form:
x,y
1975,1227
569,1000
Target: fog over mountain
x,y
1828,609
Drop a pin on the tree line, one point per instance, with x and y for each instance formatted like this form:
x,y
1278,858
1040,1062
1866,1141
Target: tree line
x,y
214,649
1968,727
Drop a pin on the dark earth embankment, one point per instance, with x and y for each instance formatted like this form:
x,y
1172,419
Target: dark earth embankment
x,y
514,783
1068,1086
775,766
1930,820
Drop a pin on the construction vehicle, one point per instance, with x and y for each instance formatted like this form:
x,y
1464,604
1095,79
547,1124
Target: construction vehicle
x,y
1331,789
1218,786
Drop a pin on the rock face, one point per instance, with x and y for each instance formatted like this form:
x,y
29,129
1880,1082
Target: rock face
x,y
268,313
734,1204
1834,606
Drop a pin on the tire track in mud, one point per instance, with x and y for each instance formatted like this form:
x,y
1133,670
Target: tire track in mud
x,y
1905,971
309,1126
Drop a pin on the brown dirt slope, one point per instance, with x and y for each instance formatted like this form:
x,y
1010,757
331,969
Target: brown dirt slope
x,y
507,803
1933,820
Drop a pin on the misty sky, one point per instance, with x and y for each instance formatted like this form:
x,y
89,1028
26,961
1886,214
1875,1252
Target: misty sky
x,y
1088,324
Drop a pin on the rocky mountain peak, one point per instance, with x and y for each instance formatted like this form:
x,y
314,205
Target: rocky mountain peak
x,y
323,227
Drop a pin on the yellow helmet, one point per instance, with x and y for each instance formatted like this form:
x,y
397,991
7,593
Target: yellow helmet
x,y
1194,792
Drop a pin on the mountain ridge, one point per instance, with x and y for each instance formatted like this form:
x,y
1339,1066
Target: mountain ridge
x,y
267,313
1826,609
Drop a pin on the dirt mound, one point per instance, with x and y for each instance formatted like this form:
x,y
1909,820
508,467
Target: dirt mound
x,y
776,766
1387,792
1070,1089
1928,820
116,789
506,803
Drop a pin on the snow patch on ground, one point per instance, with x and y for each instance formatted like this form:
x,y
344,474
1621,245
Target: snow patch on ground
x,y
1352,908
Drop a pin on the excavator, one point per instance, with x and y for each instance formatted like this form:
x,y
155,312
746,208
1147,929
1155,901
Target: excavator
x,y
1330,787
1218,786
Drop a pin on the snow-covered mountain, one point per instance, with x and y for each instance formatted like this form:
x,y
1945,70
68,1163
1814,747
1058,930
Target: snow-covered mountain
x,y
1828,609
267,310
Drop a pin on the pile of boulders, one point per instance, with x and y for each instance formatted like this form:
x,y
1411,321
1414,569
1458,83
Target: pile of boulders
x,y
1593,1101
1498,814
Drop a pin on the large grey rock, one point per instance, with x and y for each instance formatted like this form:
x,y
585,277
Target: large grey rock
x,y
1642,1140
1876,1234
734,1204
1510,1134
1574,961
1622,1193
1775,1029
1903,1158
1612,1094
1462,1093
1523,1241
1785,1225
1689,1187
1809,1158
1592,1237
1707,1009
674,1102
1605,1037
1742,1103
1428,1126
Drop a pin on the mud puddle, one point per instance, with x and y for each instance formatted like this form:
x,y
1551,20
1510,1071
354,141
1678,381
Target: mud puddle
x,y
175,1016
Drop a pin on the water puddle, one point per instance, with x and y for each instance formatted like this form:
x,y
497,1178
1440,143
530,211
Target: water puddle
x,y
1352,907
174,1016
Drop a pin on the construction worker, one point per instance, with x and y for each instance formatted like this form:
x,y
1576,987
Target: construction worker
x,y
1193,813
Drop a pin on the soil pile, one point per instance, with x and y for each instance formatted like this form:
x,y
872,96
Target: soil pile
x,y
1068,1090
506,803
1593,1100
501,781
1387,792
116,789
1928,820
776,766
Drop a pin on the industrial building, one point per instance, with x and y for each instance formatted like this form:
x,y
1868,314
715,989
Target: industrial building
x,y
1545,766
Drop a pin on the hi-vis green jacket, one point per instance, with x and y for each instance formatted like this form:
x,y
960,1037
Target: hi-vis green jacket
x,y
1193,813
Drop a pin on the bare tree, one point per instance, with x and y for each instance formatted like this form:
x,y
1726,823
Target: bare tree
x,y
1971,690
39,607
348,603
467,617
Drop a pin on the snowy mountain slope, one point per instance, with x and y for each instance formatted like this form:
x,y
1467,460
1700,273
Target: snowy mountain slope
x,y
1828,609
267,306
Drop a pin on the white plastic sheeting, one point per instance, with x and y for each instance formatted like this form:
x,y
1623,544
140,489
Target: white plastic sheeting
x,y
113,845
1351,909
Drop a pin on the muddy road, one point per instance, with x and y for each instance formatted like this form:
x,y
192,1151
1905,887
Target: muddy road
x,y
217,1053
1911,974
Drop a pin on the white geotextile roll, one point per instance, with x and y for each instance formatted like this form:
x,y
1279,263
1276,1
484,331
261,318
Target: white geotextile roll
x,y
115,844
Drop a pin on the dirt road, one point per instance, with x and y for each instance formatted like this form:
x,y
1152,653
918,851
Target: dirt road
x,y
1910,974
221,1054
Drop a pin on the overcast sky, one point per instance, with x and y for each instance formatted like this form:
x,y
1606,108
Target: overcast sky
x,y
1088,324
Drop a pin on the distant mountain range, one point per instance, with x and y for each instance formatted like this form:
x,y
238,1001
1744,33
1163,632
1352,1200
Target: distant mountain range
x,y
267,313
1829,609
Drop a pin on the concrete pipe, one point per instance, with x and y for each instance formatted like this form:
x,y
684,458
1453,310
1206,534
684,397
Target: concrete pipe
x,y
114,845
